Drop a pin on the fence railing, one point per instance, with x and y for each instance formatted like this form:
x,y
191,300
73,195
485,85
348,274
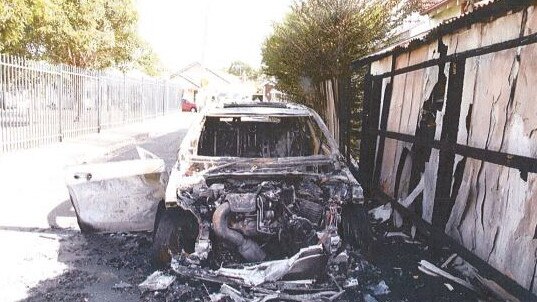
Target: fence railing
x,y
42,103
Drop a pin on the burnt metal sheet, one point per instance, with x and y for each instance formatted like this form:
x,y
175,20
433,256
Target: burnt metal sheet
x,y
303,265
241,203
117,196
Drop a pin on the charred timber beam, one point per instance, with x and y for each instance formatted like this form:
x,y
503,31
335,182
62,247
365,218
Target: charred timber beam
x,y
345,107
438,235
450,128
383,121
370,119
521,41
524,164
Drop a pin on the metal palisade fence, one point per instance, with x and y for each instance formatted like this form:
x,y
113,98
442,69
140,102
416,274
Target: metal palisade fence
x,y
42,103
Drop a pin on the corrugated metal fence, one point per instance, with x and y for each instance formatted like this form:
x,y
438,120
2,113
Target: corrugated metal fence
x,y
42,103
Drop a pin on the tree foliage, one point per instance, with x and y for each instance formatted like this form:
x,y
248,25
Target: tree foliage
x,y
14,17
92,34
319,39
242,69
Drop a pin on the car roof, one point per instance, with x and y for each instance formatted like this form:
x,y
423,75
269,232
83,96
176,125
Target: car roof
x,y
258,108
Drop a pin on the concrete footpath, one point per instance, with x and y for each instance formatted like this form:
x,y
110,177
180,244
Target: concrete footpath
x,y
35,212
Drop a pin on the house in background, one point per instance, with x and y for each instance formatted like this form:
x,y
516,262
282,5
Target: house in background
x,y
439,11
190,88
432,14
203,85
270,93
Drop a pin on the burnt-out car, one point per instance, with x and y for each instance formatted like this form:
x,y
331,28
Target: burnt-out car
x,y
252,182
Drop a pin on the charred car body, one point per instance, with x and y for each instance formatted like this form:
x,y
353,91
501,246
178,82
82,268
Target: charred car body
x,y
252,182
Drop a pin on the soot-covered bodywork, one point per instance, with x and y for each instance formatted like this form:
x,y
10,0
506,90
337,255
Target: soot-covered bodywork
x,y
253,183
259,182
267,215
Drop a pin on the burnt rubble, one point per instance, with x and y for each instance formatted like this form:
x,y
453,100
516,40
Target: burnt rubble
x,y
290,237
395,260
273,280
390,273
265,216
269,232
395,277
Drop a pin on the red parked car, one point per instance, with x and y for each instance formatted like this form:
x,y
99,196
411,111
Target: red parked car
x,y
188,106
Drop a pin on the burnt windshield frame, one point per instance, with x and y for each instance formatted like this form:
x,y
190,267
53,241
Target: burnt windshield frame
x,y
262,136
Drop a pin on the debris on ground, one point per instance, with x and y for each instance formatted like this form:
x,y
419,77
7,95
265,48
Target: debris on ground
x,y
122,285
397,234
369,298
227,291
156,281
432,270
120,255
448,260
320,296
124,258
382,213
298,278
304,262
380,289
351,282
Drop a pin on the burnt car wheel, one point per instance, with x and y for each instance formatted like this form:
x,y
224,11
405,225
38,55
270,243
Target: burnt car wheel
x,y
167,238
193,110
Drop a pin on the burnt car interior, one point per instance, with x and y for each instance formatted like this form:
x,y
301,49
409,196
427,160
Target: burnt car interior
x,y
261,137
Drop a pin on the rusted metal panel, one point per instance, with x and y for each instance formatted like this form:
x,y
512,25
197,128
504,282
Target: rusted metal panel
x,y
495,10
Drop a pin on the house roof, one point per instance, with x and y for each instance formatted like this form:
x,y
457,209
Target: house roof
x,y
189,66
481,13
183,70
431,5
187,80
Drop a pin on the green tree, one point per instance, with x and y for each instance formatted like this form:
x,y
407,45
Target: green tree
x,y
147,60
92,34
14,17
312,49
242,69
